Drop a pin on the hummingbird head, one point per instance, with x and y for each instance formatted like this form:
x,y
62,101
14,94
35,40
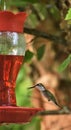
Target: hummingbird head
x,y
39,86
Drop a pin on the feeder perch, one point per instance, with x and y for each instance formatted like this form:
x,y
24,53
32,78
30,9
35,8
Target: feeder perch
x,y
12,51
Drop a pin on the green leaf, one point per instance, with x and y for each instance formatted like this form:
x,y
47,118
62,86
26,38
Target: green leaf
x,y
18,4
40,52
31,1
21,3
65,63
68,15
55,13
28,55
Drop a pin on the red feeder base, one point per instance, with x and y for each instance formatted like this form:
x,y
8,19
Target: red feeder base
x,y
9,114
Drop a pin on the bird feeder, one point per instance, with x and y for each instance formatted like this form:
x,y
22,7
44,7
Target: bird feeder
x,y
12,51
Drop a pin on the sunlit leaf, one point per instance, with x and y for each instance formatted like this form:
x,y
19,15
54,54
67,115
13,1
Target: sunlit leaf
x,y
68,16
65,63
28,55
40,52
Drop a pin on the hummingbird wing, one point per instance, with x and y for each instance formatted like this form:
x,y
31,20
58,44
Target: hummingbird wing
x,y
47,95
50,97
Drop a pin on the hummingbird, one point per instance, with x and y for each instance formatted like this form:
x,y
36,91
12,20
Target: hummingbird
x,y
46,93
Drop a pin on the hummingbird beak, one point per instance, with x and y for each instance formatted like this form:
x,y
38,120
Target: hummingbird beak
x,y
32,87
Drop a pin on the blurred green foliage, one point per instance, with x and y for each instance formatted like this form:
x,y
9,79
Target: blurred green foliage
x,y
64,64
17,2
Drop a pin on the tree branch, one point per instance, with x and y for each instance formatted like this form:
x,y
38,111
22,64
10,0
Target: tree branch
x,y
64,110
45,35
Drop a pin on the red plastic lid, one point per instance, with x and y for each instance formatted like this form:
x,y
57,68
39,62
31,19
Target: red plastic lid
x,y
12,22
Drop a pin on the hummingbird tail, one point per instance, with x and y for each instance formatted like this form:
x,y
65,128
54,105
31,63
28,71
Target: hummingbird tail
x,y
58,105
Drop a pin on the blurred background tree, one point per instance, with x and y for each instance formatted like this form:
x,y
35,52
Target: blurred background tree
x,y
48,44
